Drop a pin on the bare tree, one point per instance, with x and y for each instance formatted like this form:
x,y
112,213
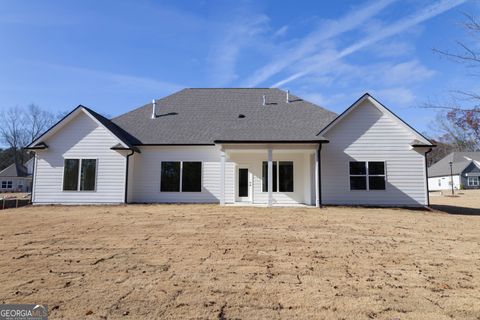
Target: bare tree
x,y
37,121
20,126
459,120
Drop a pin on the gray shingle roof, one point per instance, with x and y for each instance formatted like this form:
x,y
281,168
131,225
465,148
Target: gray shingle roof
x,y
202,116
460,160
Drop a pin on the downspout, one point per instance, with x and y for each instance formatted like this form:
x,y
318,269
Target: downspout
x,y
34,171
426,177
126,176
319,159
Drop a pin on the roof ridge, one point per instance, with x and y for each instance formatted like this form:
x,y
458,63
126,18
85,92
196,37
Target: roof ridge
x,y
227,88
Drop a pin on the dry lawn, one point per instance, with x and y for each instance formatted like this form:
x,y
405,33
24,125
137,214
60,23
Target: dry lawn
x,y
206,261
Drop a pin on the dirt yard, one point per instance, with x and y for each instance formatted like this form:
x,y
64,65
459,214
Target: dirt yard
x,y
206,261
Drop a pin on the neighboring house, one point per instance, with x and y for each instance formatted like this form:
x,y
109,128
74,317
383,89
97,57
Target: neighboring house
x,y
233,146
465,172
17,178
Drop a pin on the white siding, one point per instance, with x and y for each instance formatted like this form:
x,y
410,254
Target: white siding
x,y
443,183
82,137
145,184
301,187
367,134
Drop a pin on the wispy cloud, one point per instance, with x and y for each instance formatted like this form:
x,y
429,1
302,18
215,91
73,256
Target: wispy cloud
x,y
118,80
321,59
310,43
225,52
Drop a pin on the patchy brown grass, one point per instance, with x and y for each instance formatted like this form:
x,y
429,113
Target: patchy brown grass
x,y
206,261
465,202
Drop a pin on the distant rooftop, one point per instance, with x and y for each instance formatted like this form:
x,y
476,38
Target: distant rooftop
x,y
460,160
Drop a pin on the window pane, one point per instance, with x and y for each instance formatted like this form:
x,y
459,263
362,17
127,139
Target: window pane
x,y
285,175
376,167
265,176
376,183
358,167
87,176
243,182
170,180
70,174
358,183
192,177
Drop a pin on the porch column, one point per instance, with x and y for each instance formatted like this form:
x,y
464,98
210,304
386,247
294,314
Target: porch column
x,y
222,177
318,191
270,177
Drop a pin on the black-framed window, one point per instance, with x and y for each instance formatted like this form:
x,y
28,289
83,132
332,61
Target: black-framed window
x,y
282,176
79,174
192,176
7,184
367,175
178,176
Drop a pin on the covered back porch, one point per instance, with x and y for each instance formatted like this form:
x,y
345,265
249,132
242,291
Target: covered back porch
x,y
270,174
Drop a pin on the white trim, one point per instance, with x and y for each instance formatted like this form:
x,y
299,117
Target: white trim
x,y
222,177
475,181
249,198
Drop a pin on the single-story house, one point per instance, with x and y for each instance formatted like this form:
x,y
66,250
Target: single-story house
x,y
257,146
17,177
465,172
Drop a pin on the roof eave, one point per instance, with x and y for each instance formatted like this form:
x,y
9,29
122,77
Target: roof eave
x,y
271,141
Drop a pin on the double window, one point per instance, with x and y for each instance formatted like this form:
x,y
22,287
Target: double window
x,y
282,176
7,184
473,181
181,176
79,174
367,175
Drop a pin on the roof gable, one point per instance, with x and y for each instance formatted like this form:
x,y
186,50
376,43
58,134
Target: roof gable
x,y
460,161
17,170
123,137
420,140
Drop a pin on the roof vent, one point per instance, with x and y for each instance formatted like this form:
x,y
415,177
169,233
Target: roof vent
x,y
264,100
288,96
241,116
154,109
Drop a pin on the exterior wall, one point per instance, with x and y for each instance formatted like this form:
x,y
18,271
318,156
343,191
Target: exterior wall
x,y
443,183
301,176
367,134
145,183
82,137
19,184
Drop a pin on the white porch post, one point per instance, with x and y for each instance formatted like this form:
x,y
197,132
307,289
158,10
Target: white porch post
x,y
270,177
222,177
317,180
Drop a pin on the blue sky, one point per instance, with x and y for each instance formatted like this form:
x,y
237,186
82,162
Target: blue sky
x,y
116,55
